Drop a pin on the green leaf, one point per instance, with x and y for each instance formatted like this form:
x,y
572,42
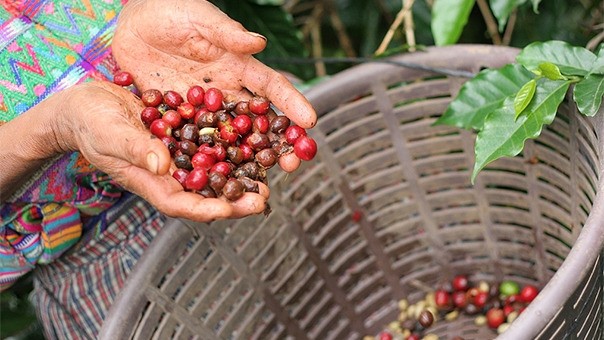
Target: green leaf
x,y
449,17
483,94
551,71
598,66
536,5
588,94
502,9
503,136
524,97
571,60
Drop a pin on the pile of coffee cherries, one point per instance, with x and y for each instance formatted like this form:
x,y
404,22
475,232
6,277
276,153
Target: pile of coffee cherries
x,y
221,147
492,305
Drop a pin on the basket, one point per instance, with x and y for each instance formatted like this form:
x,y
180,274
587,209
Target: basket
x,y
387,204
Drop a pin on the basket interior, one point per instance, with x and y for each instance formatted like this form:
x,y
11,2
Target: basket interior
x,y
386,208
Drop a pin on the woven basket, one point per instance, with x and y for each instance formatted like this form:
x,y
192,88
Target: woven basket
x,y
387,204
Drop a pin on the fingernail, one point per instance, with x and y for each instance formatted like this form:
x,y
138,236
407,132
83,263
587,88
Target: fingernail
x,y
152,162
257,35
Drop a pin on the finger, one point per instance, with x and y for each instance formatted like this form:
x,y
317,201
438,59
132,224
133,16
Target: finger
x,y
228,34
289,162
264,81
167,195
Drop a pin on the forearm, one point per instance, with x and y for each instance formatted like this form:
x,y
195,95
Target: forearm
x,y
27,142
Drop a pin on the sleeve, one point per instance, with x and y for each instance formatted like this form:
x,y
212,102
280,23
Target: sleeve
x,y
45,47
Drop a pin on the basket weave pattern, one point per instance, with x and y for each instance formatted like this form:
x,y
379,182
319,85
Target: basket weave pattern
x,y
385,210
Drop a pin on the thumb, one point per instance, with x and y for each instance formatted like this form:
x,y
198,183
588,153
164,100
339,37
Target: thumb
x,y
145,151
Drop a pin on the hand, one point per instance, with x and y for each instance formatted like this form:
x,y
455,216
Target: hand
x,y
101,121
173,45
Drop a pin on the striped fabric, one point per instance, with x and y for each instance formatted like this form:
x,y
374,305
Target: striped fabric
x,y
47,46
74,293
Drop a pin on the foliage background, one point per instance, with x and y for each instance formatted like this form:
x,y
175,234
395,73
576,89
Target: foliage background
x,y
309,39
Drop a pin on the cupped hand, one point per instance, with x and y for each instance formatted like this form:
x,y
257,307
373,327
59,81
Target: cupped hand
x,y
101,121
171,45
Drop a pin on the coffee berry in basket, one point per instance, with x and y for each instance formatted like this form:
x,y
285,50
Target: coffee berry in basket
x,y
491,304
221,147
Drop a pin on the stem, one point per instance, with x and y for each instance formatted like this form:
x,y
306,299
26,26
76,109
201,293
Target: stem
x,y
490,21
509,29
400,16
409,32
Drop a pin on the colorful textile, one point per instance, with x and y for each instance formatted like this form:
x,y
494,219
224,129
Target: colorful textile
x,y
76,292
47,46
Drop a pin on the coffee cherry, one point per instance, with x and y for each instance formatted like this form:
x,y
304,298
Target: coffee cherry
x,y
266,157
234,154
221,167
196,179
528,293
123,78
229,134
242,108
183,162
151,97
509,287
217,181
480,299
259,105
195,95
213,99
149,114
189,132
293,132
233,189
442,298
202,160
187,147
249,184
305,148
247,152
207,192
385,336
180,175
459,299
261,124
186,110
206,118
495,317
460,283
173,99
257,141
171,143
279,124
173,118
220,153
160,128
425,318
243,124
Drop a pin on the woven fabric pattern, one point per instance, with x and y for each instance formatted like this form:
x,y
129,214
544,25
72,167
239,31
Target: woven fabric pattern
x,y
47,46
75,292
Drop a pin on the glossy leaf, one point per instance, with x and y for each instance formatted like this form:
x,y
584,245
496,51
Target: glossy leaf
x,y
551,71
524,97
449,17
571,60
588,94
598,66
504,136
483,94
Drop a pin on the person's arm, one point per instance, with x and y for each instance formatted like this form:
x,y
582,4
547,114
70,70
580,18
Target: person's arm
x,y
27,142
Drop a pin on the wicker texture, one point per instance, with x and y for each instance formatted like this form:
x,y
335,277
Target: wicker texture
x,y
387,206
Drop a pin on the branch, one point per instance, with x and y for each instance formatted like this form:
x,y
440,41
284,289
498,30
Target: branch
x,y
400,16
490,21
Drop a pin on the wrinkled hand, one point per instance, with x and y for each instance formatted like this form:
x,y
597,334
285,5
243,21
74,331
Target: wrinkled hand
x,y
173,45
101,121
